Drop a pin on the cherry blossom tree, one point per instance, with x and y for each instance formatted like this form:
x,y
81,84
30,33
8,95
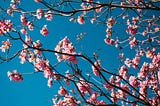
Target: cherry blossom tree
x,y
139,22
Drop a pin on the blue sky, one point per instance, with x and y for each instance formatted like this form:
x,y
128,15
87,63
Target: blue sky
x,y
33,90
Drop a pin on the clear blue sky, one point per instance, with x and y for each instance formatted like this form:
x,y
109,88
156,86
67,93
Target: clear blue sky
x,y
33,90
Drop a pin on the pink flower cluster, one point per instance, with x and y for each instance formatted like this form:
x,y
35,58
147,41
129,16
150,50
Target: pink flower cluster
x,y
134,62
98,66
156,60
150,53
65,46
80,20
110,22
119,94
109,32
13,6
39,13
25,54
93,99
44,31
133,81
14,76
123,72
98,9
27,23
24,20
132,29
37,1
43,65
143,71
112,81
108,40
62,91
49,16
5,45
24,31
122,94
84,87
133,42
5,26
68,100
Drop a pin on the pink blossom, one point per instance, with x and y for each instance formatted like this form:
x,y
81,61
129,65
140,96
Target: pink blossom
x,y
122,94
23,56
136,61
128,23
24,20
5,26
73,59
102,102
133,42
23,31
39,64
39,13
98,9
5,45
139,10
84,86
68,75
80,20
133,81
132,29
37,1
97,66
9,10
31,57
143,89
135,20
109,32
156,29
109,41
108,86
30,26
28,40
121,56
93,97
68,100
65,46
144,33
150,53
156,60
47,71
128,62
37,44
123,71
49,84
143,71
44,31
114,96
123,3
15,76
62,91
110,22
124,17
49,16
